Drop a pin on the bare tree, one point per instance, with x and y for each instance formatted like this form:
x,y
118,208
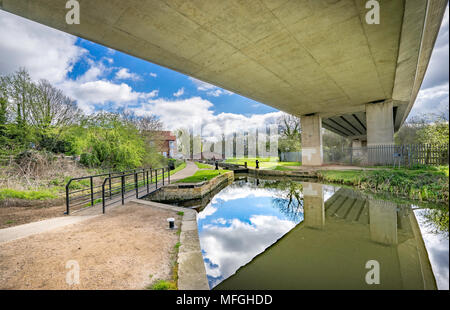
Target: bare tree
x,y
52,108
290,126
145,124
290,133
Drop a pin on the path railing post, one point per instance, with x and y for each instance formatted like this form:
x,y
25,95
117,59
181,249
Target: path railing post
x,y
123,188
92,190
103,195
148,185
67,197
156,178
163,175
110,193
136,186
168,175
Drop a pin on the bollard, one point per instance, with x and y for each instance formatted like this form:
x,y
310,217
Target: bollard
x,y
217,165
257,164
171,221
245,165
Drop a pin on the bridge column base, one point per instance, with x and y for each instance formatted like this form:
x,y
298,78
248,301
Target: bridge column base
x,y
312,152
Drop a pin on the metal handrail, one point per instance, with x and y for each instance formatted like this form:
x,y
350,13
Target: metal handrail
x,y
109,177
137,189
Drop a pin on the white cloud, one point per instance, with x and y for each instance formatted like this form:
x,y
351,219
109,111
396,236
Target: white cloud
x,y
209,210
433,95
125,74
109,60
230,247
45,52
51,54
241,192
153,74
210,89
431,100
179,92
196,111
437,71
93,93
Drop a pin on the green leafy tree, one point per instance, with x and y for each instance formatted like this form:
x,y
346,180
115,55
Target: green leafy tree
x,y
436,133
431,128
108,141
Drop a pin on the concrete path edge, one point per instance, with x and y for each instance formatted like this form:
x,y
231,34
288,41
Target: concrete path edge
x,y
191,268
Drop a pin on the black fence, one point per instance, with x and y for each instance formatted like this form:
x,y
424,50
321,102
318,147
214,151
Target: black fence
x,y
118,188
87,191
386,155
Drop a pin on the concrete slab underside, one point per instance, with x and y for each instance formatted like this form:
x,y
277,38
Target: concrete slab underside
x,y
298,56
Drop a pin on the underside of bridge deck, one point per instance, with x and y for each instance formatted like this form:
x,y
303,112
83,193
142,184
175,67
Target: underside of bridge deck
x,y
303,57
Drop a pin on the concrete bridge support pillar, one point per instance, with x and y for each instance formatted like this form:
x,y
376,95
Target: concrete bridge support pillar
x,y
383,221
356,147
380,123
313,205
312,153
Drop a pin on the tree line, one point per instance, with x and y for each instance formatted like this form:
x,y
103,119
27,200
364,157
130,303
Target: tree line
x,y
36,116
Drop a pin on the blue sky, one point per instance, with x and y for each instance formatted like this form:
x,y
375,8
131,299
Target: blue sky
x,y
99,78
150,76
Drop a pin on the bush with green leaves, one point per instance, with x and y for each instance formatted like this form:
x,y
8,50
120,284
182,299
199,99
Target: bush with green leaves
x,y
107,141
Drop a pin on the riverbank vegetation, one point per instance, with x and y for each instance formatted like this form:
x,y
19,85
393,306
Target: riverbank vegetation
x,y
45,139
424,183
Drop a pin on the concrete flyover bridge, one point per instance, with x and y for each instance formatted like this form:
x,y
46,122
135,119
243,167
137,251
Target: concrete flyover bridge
x,y
317,59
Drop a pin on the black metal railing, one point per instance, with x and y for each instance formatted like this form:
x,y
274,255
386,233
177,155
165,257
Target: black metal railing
x,y
118,188
89,190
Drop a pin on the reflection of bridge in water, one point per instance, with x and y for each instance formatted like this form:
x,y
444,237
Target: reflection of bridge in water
x,y
330,248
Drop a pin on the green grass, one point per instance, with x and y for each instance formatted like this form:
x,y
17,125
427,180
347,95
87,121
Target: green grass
x,y
203,166
160,285
202,175
271,163
27,195
98,200
78,184
422,183
180,213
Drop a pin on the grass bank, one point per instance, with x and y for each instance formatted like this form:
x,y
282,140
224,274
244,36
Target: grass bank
x,y
265,163
428,184
202,175
203,166
6,193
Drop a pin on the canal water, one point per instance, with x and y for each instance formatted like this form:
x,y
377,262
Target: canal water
x,y
268,234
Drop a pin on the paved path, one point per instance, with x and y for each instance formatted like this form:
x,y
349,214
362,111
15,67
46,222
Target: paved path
x,y
190,169
21,231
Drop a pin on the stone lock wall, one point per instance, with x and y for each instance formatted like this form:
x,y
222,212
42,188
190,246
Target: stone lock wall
x,y
188,191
